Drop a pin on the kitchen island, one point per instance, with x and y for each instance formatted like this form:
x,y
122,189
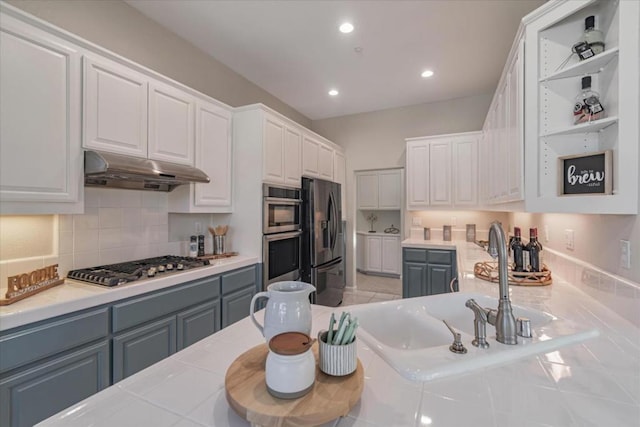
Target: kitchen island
x,y
596,382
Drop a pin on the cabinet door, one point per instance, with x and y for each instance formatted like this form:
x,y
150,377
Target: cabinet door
x,y
34,394
142,347
465,167
213,147
515,128
389,184
197,323
499,154
292,168
235,306
273,146
171,123
373,253
440,173
367,190
310,157
438,278
325,162
115,108
414,279
390,255
417,174
40,123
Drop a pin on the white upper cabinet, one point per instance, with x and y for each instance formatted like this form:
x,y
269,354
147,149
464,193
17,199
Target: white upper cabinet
x,y
552,82
40,122
281,152
417,175
379,189
115,108
325,162
442,171
291,156
310,156
465,170
214,157
171,124
127,112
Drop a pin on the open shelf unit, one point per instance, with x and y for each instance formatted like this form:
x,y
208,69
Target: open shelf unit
x,y
552,82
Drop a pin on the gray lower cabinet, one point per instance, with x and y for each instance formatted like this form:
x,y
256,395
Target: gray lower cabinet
x,y
197,323
142,347
238,288
50,365
427,271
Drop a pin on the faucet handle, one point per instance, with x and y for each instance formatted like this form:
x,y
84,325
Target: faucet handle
x,y
523,327
457,346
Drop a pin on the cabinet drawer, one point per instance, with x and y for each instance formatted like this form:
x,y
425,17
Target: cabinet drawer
x,y
415,255
440,257
35,343
141,310
238,279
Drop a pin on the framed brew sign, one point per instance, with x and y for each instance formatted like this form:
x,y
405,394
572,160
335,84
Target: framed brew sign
x,y
585,174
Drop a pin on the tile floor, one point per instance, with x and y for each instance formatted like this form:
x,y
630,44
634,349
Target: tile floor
x,y
370,288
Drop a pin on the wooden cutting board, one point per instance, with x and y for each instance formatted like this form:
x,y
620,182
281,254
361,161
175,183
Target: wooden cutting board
x,y
330,398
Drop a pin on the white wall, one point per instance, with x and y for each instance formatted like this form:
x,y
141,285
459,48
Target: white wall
x,y
375,140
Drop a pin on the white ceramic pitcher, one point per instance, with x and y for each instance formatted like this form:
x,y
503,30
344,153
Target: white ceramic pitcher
x,y
288,308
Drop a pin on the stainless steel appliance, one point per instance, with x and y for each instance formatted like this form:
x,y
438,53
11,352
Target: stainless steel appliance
x,y
281,233
323,240
103,169
121,273
281,209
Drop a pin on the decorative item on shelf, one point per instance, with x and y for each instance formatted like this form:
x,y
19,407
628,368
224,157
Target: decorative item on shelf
x,y
592,41
488,270
25,285
391,230
372,218
446,233
588,173
587,107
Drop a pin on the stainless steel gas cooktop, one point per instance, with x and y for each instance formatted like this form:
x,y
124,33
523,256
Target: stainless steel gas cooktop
x,y
118,274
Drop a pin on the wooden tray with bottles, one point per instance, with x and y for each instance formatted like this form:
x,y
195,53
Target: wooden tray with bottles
x,y
488,270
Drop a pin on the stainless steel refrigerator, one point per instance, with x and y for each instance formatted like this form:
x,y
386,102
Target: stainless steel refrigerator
x,y
323,240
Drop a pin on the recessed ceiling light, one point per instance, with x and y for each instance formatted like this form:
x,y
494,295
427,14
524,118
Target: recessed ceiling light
x,y
333,92
427,73
346,28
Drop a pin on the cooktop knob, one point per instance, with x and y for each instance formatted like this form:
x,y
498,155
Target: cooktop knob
x,y
169,266
161,269
180,266
151,272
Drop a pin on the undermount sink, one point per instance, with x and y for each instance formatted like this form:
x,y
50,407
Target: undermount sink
x,y
409,334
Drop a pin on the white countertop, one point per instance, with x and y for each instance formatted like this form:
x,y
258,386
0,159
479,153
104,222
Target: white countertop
x,y
594,383
74,295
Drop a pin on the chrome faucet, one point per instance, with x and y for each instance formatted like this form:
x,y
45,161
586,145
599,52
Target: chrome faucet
x,y
502,318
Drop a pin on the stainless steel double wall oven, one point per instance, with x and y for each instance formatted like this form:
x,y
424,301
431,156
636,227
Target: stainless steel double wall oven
x,y
281,233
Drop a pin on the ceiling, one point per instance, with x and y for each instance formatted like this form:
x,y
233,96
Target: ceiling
x,y
293,49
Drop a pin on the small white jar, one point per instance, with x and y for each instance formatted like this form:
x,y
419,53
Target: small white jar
x,y
290,371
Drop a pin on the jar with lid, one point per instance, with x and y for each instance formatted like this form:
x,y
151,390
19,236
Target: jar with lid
x,y
290,370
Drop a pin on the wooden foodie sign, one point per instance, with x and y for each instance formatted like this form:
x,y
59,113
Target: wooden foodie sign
x,y
585,174
27,284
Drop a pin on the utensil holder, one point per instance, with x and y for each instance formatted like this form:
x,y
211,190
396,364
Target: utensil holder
x,y
336,360
218,244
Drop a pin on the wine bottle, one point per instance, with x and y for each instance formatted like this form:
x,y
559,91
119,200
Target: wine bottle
x,y
587,106
534,248
592,41
518,248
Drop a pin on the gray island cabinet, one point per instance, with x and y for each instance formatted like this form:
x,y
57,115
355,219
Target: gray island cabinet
x,y
49,365
427,271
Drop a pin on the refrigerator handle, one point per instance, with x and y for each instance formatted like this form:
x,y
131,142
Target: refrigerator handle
x,y
334,221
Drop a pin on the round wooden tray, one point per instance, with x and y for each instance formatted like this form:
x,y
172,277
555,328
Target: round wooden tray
x,y
489,271
330,398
